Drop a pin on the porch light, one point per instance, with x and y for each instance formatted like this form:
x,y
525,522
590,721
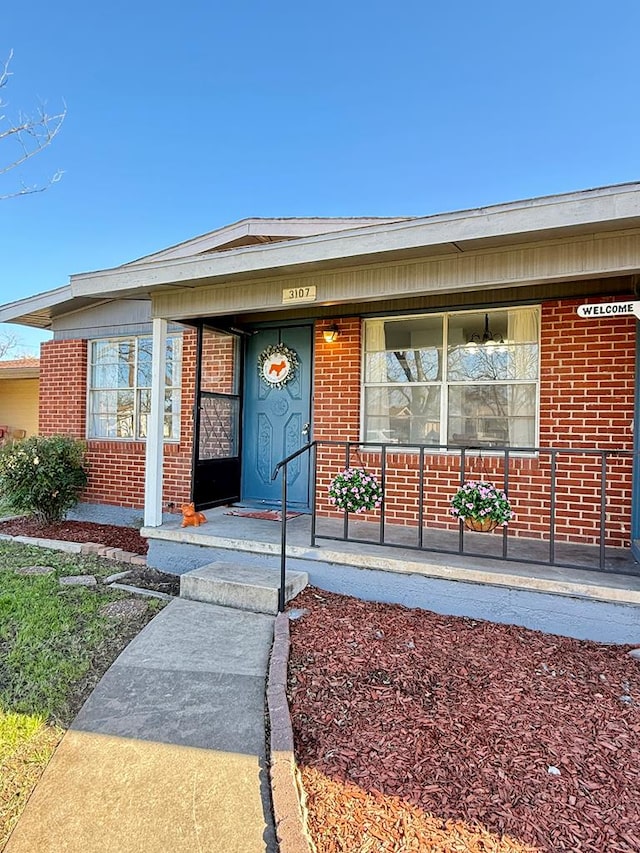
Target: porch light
x,y
487,337
331,333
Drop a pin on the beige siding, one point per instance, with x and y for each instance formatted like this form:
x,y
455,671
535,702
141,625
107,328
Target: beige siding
x,y
527,265
19,404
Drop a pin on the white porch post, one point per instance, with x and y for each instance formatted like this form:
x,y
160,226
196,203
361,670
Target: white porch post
x,y
155,428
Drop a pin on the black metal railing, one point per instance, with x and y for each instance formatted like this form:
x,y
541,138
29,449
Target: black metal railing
x,y
507,463
283,466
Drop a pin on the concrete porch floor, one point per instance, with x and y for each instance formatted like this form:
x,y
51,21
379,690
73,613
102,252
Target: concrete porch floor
x,y
252,538
480,561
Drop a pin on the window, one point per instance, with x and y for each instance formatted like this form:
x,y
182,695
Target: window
x,y
463,378
120,387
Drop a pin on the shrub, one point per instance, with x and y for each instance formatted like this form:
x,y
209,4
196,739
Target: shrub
x,y
42,476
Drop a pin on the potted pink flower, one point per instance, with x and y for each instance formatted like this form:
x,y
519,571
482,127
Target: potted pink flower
x,y
355,490
481,505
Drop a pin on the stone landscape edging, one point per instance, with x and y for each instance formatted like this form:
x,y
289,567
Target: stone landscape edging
x,y
287,794
84,548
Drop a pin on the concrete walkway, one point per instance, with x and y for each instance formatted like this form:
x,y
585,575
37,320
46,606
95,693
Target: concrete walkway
x,y
168,753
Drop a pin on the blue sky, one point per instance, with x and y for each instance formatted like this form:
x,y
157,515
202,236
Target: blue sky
x,y
183,118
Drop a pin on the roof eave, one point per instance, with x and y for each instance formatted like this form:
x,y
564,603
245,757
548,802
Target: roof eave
x,y
19,372
586,212
608,208
38,311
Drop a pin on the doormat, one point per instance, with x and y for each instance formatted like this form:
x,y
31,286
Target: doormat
x,y
269,514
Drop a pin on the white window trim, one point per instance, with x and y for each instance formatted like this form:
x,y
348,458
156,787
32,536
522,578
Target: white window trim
x,y
444,384
133,439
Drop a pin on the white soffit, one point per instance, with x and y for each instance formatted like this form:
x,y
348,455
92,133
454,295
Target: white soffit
x,y
39,310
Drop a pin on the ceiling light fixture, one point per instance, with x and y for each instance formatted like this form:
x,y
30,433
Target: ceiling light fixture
x,y
487,337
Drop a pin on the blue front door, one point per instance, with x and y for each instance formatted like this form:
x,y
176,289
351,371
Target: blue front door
x,y
276,416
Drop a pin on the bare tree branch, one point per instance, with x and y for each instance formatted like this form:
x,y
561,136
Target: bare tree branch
x,y
30,135
9,345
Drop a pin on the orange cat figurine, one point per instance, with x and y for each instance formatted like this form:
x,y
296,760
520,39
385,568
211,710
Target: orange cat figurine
x,y
191,517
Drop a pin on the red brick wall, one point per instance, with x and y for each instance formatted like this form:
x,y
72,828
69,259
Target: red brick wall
x,y
586,401
63,388
116,468
587,378
336,406
217,376
337,382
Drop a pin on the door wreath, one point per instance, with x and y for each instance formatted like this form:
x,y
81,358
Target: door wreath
x,y
277,365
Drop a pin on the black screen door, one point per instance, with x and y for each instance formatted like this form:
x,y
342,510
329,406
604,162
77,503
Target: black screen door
x,y
216,449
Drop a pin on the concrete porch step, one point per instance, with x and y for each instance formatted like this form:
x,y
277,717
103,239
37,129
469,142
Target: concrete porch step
x,y
591,605
241,587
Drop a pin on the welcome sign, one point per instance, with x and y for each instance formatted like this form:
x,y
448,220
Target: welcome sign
x,y
610,309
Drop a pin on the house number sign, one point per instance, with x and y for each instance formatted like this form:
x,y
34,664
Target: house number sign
x,y
299,294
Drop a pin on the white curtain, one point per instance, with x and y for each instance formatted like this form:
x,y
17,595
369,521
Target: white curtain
x,y
523,328
377,426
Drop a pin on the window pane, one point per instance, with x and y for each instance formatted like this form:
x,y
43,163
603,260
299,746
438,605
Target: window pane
x,y
112,376
403,366
111,414
406,333
124,411
102,406
100,421
144,374
145,349
171,418
474,362
144,401
492,415
113,411
143,378
104,352
172,414
173,362
407,350
112,364
468,327
408,414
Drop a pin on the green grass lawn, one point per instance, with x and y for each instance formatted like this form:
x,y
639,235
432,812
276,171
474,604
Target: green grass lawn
x,y
54,646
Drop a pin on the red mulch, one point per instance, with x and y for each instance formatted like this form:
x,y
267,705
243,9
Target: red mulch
x,y
420,732
127,538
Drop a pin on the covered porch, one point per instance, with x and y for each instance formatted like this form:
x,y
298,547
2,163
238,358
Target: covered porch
x,y
423,304
598,605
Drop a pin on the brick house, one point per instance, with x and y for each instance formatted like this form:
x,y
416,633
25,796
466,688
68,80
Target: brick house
x,y
429,343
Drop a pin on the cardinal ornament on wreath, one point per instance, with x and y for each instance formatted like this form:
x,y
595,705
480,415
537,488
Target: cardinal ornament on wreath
x,y
277,365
